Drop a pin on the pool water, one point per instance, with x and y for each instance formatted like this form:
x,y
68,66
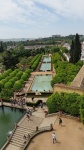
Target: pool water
x,y
45,66
42,83
8,117
47,59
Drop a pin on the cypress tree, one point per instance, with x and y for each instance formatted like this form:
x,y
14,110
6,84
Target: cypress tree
x,y
1,48
77,49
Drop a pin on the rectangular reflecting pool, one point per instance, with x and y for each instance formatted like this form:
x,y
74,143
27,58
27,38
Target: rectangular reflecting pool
x,y
45,67
8,117
47,59
42,83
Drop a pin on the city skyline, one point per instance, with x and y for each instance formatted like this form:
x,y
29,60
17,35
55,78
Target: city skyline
x,y
40,18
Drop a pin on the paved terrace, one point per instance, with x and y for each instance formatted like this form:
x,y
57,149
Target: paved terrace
x,y
79,78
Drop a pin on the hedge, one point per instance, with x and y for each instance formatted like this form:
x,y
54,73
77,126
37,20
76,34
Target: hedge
x,y
70,103
34,104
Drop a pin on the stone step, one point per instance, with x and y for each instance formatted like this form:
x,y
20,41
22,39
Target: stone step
x,y
22,133
19,140
16,135
21,128
28,128
16,145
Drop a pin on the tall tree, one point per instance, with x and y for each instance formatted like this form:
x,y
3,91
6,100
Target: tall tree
x,y
1,47
77,49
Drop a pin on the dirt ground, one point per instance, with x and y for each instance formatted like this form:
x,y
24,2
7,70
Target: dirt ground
x,y
69,137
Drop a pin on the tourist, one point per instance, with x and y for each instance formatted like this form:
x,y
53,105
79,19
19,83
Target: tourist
x,y
28,116
41,104
11,101
44,103
60,121
1,102
54,138
24,136
33,108
27,110
30,112
23,100
25,94
28,136
14,101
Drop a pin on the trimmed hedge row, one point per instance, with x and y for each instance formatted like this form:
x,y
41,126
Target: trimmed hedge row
x,y
34,104
35,64
34,59
70,103
65,71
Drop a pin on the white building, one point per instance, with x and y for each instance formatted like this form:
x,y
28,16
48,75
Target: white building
x,y
67,45
56,36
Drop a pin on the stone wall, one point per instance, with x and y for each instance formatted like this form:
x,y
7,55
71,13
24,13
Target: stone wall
x,y
82,84
69,89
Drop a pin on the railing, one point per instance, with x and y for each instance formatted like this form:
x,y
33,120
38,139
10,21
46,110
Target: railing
x,y
64,115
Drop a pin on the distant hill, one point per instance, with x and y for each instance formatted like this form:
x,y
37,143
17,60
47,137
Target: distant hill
x,y
16,39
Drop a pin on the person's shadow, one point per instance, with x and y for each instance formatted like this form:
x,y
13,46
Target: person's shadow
x,y
57,142
63,126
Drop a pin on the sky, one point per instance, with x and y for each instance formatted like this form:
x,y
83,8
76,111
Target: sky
x,y
40,18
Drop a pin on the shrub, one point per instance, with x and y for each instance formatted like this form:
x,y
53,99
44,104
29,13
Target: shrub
x,y
1,85
4,80
82,109
69,103
24,76
6,93
17,86
21,81
12,81
8,85
12,74
19,74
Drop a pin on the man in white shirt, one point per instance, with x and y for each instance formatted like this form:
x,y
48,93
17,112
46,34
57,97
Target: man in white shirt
x,y
54,137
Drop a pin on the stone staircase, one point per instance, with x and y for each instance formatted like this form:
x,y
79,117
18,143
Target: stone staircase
x,y
78,79
24,128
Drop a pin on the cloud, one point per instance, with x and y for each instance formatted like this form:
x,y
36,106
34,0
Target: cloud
x,y
72,8
24,12
42,11
37,15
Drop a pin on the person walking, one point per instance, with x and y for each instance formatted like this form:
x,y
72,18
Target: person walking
x,y
54,137
60,121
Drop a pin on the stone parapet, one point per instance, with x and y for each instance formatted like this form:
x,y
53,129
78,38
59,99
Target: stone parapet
x,y
69,89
